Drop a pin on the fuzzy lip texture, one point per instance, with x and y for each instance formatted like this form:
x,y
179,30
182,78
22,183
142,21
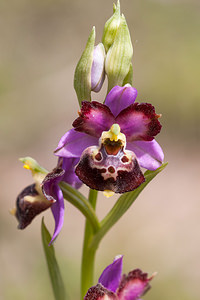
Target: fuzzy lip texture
x,y
113,285
29,204
138,122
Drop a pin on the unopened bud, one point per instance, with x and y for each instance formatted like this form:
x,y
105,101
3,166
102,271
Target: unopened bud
x,y
119,56
89,73
98,71
111,27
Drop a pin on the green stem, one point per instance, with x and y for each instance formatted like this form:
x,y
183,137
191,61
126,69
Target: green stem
x,y
88,254
79,201
121,206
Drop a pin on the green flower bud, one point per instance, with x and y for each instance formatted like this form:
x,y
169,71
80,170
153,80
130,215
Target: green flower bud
x,y
82,76
118,65
111,26
90,73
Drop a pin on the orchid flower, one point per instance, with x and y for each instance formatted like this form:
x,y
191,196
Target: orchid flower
x,y
45,192
112,141
106,149
113,286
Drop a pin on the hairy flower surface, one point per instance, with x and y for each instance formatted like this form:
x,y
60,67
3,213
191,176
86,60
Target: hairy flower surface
x,y
30,202
112,285
113,140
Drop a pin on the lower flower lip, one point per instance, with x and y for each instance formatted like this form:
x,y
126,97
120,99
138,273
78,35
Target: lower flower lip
x,y
28,205
111,172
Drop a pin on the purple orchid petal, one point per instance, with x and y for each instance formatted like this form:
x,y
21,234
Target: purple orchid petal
x,y
51,190
149,154
133,285
139,122
111,276
73,143
53,193
98,72
120,98
58,211
94,118
69,176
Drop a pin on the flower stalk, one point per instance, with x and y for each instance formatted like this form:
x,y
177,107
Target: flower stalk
x,y
88,254
80,202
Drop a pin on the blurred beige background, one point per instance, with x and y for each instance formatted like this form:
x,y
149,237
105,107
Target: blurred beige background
x,y
41,42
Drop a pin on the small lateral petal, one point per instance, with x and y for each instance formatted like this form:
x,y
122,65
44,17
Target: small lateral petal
x,y
98,292
139,122
133,285
149,153
120,98
94,118
111,276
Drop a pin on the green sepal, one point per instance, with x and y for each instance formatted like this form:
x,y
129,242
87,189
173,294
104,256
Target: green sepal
x,y
53,268
121,206
82,76
119,56
111,26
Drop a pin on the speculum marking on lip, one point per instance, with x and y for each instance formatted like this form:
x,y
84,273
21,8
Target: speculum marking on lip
x,y
111,169
124,159
98,156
